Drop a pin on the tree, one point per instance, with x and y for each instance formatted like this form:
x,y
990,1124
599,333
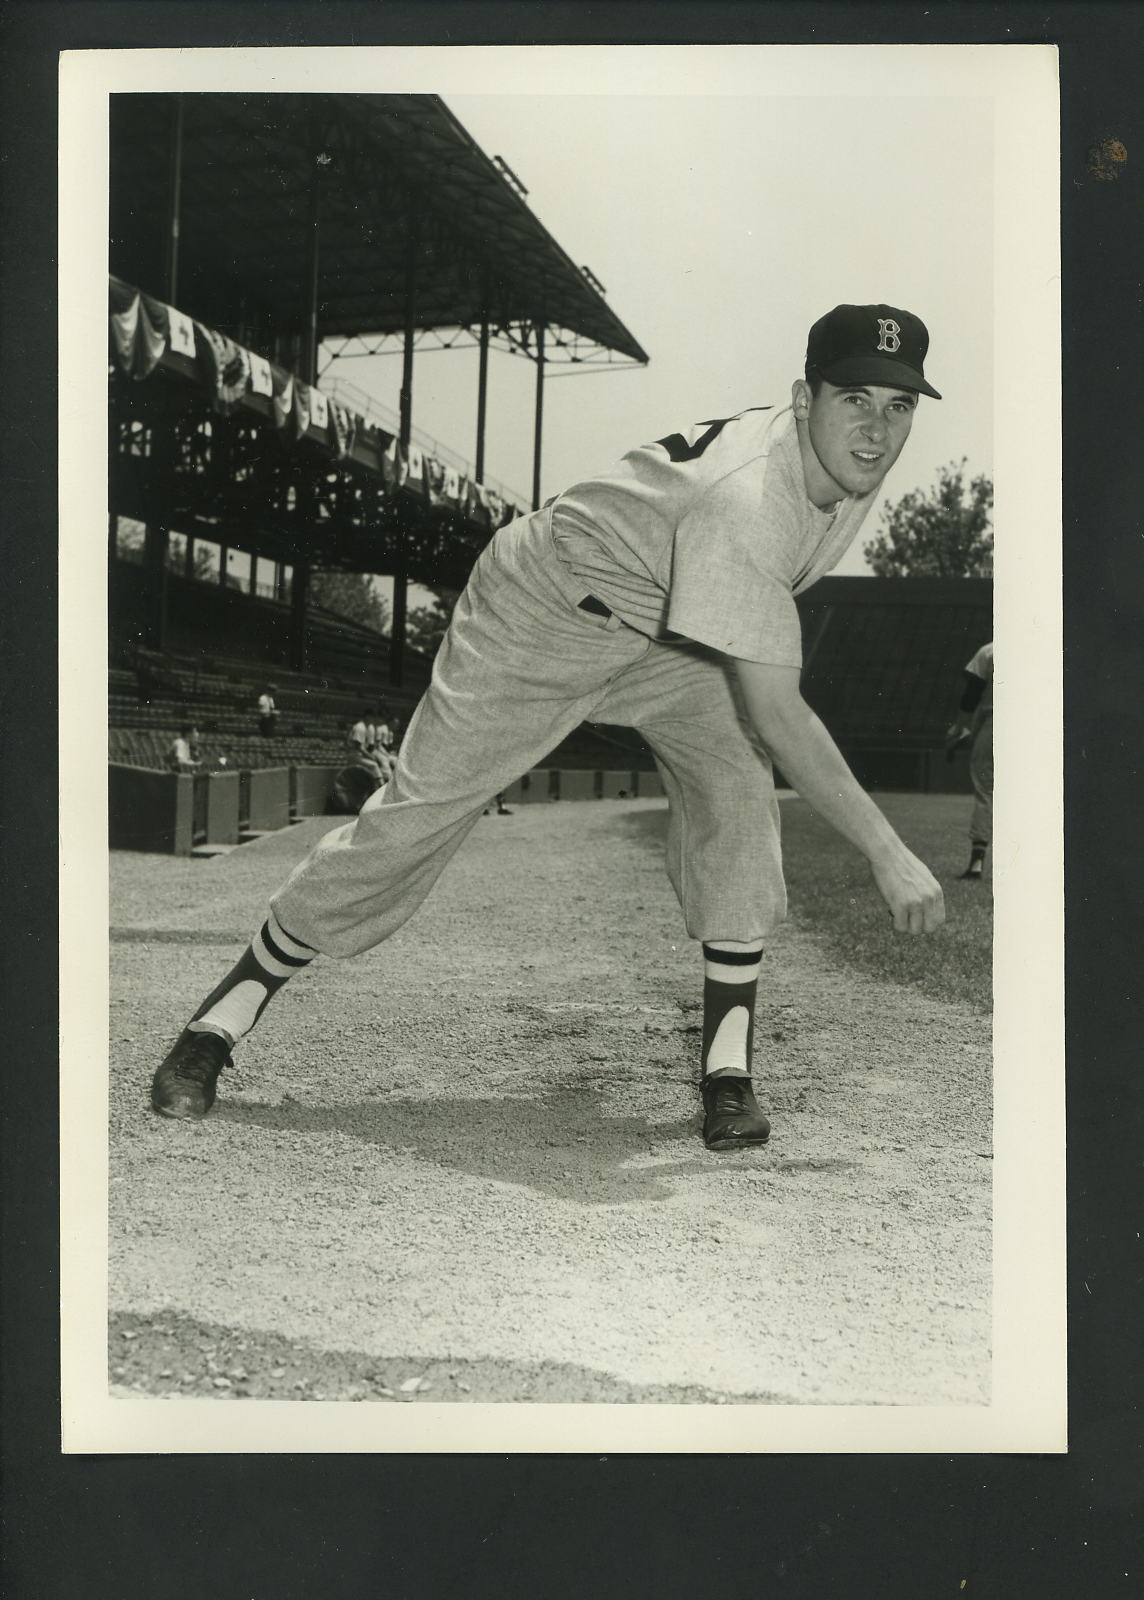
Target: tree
x,y
425,625
945,532
351,595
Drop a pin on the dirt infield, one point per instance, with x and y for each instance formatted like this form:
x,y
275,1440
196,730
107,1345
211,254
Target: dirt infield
x,y
467,1166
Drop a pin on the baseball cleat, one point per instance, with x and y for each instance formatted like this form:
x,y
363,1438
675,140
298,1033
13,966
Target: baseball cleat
x,y
184,1085
731,1116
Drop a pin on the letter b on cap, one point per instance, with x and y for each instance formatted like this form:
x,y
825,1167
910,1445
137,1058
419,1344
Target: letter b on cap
x,y
890,334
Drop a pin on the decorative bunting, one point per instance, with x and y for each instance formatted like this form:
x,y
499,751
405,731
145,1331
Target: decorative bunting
x,y
261,378
301,417
143,329
394,467
283,398
182,332
434,481
139,345
227,365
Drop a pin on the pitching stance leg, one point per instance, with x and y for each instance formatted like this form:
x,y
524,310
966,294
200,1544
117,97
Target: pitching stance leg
x,y
723,858
520,668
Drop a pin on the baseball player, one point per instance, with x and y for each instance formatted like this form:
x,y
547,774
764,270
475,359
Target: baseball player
x,y
659,595
975,721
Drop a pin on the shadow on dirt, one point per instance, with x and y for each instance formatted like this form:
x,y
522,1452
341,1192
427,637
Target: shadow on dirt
x,y
175,1356
563,1143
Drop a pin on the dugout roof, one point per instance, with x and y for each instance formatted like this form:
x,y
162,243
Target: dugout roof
x,y
390,190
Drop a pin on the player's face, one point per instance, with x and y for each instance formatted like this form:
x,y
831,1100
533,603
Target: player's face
x,y
851,437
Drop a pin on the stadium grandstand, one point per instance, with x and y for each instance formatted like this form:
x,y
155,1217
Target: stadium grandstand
x,y
255,240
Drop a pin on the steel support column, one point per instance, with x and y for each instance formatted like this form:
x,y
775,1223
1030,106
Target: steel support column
x,y
298,590
175,203
307,492
482,389
400,572
310,336
538,432
405,401
155,558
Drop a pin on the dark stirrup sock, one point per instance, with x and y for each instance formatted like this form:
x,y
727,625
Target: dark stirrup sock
x,y
730,984
976,859
243,995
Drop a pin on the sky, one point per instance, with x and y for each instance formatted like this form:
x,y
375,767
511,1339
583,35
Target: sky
x,y
722,226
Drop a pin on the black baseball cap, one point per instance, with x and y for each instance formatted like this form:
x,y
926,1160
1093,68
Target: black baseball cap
x,y
870,344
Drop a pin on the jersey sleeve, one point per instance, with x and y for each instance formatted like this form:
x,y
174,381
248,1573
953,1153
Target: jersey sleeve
x,y
973,688
731,586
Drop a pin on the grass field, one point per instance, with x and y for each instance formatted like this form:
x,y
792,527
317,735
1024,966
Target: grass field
x,y
832,894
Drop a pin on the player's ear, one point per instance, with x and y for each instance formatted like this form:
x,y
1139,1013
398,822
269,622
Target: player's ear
x,y
800,398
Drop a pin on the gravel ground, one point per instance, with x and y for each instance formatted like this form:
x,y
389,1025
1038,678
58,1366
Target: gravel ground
x,y
467,1165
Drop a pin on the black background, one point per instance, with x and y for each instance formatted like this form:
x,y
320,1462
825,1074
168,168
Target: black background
x,y
278,1527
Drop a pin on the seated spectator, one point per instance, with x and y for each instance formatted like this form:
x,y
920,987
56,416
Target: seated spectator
x,y
182,754
359,736
381,758
356,781
267,712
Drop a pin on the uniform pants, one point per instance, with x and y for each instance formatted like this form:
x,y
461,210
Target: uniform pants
x,y
520,667
981,776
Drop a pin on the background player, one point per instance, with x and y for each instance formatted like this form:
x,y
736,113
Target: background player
x,y
975,721
659,595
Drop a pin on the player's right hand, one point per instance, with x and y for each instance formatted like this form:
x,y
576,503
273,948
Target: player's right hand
x,y
911,891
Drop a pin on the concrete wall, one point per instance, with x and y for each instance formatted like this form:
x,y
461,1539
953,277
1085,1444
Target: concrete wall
x,y
223,790
310,790
549,783
534,786
577,786
911,771
150,810
267,798
618,785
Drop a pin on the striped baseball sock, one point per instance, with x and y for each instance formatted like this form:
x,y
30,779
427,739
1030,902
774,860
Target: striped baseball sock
x,y
240,999
730,983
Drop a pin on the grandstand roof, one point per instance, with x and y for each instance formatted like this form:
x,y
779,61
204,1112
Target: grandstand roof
x,y
390,180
